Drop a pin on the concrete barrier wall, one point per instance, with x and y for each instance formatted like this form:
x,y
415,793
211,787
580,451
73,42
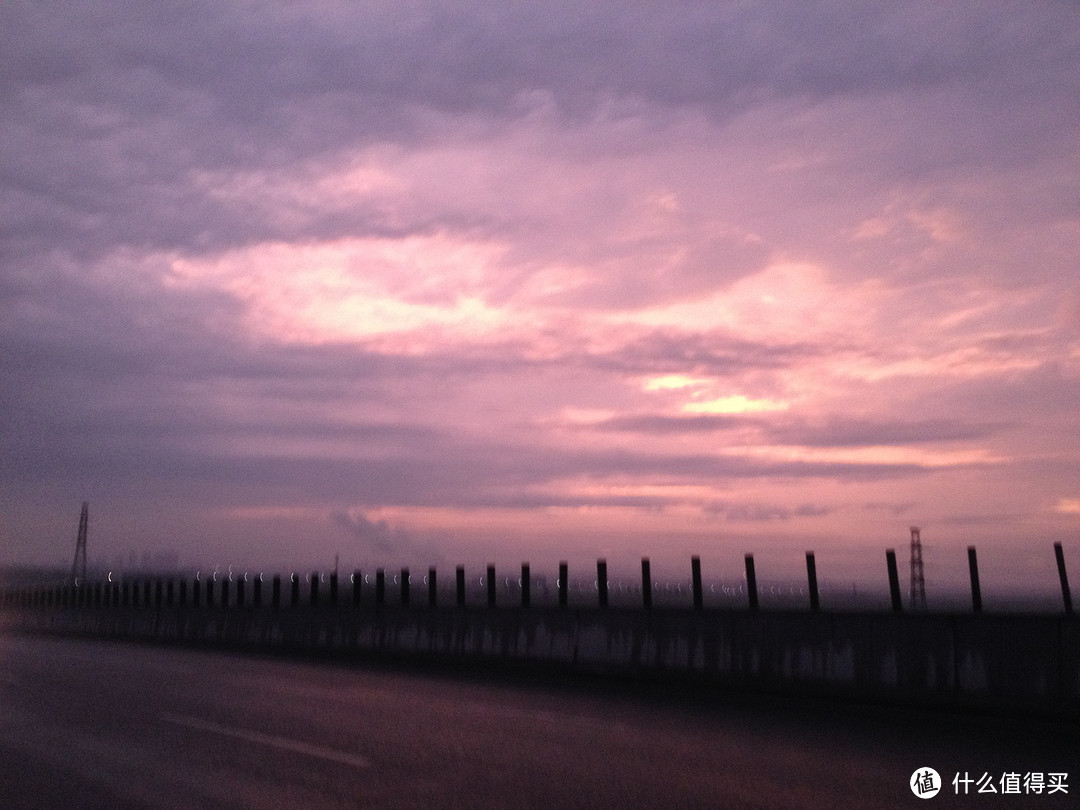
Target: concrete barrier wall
x,y
1026,663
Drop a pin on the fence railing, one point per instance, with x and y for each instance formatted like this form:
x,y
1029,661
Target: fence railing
x,y
1022,663
364,588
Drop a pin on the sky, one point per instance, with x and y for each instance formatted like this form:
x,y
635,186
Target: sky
x,y
439,283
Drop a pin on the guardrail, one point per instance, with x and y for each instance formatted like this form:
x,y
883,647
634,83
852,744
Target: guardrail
x,y
1025,663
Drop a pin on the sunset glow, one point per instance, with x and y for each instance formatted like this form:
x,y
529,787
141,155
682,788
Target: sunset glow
x,y
444,285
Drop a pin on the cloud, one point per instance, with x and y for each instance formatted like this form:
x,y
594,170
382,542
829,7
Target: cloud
x,y
268,256
372,535
846,432
140,107
1069,506
837,432
765,513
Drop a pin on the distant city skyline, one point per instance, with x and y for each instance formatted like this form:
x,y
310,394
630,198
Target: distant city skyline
x,y
439,283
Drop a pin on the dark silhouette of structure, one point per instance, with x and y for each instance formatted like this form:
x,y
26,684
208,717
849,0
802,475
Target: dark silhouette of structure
x,y
78,565
1003,662
918,584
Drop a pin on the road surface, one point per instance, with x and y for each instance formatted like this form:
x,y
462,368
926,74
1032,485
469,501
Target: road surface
x,y
92,724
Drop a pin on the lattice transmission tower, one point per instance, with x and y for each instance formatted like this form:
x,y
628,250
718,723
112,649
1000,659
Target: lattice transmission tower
x,y
918,585
78,566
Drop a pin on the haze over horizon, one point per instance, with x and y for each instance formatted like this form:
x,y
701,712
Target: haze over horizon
x,y
429,283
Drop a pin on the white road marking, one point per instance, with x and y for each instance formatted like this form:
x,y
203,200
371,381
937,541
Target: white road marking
x,y
272,740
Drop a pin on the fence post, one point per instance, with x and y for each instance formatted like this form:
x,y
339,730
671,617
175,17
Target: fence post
x,y
294,590
1066,596
380,587
314,594
601,582
491,586
404,587
751,583
256,591
525,595
334,589
357,581
811,580
564,584
646,584
695,577
459,577
976,592
432,587
275,591
225,593
894,581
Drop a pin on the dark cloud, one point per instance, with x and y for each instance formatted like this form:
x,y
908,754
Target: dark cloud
x,y
662,424
765,512
894,509
836,432
714,352
846,432
372,535
114,111
1046,392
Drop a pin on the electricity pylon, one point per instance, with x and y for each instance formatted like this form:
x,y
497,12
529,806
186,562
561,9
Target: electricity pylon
x,y
918,585
78,567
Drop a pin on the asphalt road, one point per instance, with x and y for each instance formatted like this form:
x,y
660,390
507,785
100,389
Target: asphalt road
x,y
89,724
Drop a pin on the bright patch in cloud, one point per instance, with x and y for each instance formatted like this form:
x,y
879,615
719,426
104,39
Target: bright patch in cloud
x,y
876,455
784,301
735,404
355,288
1068,506
672,381
585,416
